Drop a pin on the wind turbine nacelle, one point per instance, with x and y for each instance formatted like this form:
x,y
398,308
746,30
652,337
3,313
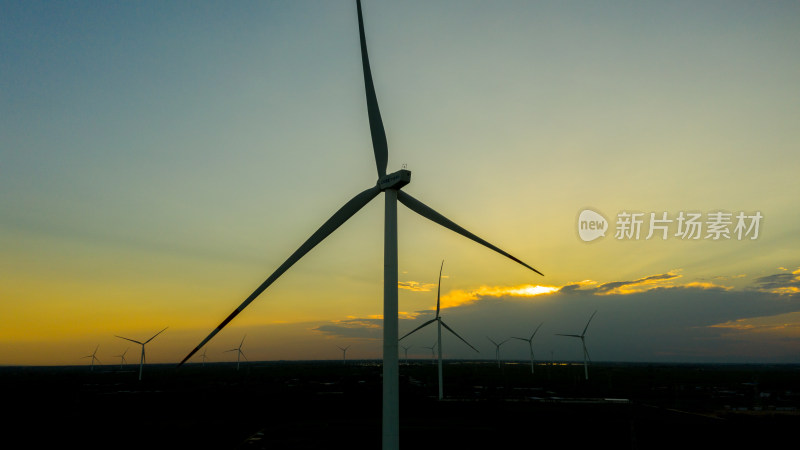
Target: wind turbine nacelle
x,y
395,180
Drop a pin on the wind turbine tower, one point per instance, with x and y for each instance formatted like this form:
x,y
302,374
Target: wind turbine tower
x,y
142,358
122,357
582,337
530,342
94,357
239,353
405,349
440,323
390,184
497,349
344,354
433,353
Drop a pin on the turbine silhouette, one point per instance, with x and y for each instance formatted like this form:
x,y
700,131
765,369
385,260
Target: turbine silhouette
x,y
94,358
344,354
239,353
530,342
582,337
142,358
433,354
497,349
440,324
390,185
405,349
122,357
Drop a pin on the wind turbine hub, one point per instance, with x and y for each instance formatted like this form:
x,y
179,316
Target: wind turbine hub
x,y
395,180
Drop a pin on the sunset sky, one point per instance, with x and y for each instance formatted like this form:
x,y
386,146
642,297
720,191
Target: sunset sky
x,y
159,160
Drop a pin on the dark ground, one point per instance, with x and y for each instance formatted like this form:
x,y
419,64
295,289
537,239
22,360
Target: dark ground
x,y
314,405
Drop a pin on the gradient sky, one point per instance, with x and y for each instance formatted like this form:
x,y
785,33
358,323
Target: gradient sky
x,y
159,161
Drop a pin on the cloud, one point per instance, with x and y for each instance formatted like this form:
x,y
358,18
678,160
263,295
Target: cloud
x,y
780,283
707,285
461,297
415,286
651,318
355,327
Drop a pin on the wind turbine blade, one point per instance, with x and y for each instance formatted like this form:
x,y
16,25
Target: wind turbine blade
x,y
415,329
129,339
379,145
439,289
536,330
456,334
154,336
339,217
426,211
493,342
242,343
587,323
570,335
521,339
243,356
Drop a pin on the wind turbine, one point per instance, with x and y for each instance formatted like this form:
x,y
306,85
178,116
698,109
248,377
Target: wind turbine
x,y
530,342
344,354
239,351
497,349
390,185
582,337
433,354
440,324
204,357
94,358
142,359
405,349
122,357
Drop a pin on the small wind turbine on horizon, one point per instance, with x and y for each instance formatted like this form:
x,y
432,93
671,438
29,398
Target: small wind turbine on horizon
x,y
497,349
433,354
122,357
344,353
530,342
582,337
405,349
94,357
391,185
239,351
142,358
440,323
204,357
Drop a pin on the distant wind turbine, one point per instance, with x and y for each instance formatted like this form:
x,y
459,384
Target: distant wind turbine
x,y
530,342
142,358
433,354
204,357
497,348
344,354
582,337
122,357
405,349
94,357
440,324
390,185
239,353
